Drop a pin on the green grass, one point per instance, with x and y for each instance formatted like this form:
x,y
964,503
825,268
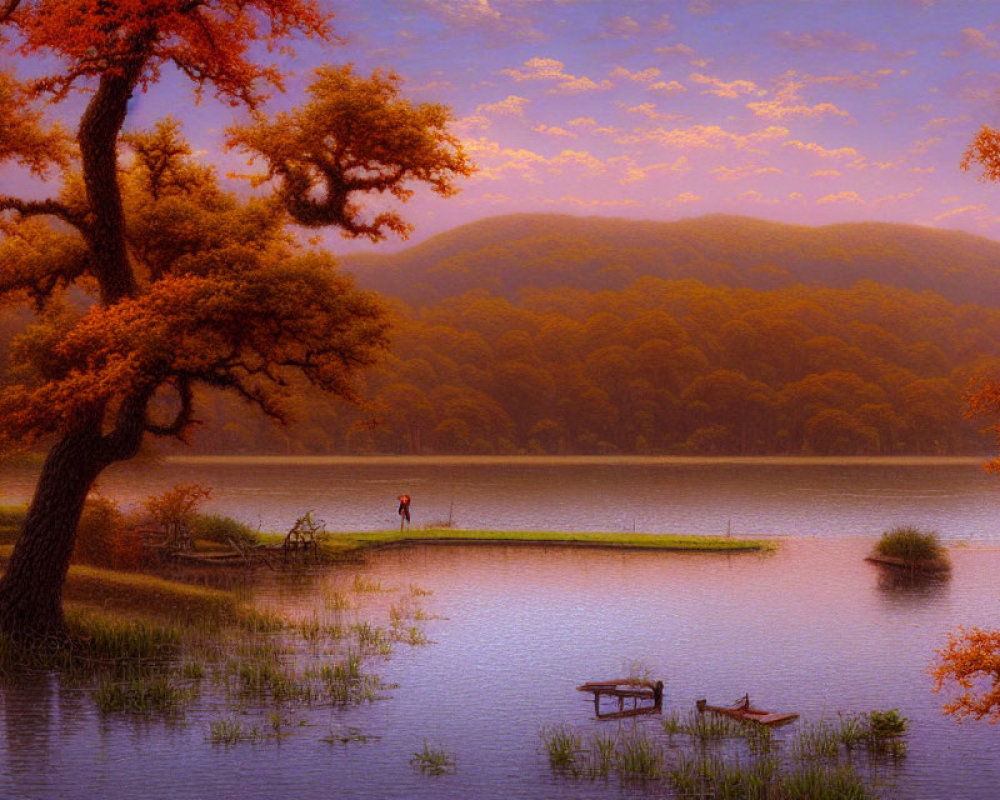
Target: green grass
x,y
433,760
563,746
143,694
231,731
342,543
710,760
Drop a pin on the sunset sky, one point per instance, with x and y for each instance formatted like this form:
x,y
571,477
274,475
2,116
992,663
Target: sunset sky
x,y
806,112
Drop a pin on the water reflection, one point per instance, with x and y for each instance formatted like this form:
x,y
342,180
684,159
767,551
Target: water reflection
x,y
810,629
777,497
913,586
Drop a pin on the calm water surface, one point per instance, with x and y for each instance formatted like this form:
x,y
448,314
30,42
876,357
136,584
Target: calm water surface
x,y
812,628
758,497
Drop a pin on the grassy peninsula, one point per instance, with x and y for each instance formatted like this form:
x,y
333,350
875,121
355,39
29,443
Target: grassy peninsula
x,y
341,543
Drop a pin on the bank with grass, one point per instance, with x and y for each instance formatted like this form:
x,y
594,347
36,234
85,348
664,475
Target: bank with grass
x,y
343,543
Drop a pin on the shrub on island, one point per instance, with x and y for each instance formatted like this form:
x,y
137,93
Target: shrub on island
x,y
910,547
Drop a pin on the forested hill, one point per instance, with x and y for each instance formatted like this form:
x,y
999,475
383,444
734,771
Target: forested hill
x,y
507,254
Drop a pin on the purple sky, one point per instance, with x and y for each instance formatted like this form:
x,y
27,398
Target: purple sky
x,y
806,112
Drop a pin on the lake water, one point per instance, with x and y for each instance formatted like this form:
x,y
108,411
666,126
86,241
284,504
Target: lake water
x,y
774,497
812,628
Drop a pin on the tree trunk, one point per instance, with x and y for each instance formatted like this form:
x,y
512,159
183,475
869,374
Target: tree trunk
x,y
31,587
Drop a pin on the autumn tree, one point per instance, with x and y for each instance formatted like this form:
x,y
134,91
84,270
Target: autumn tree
x,y
176,283
970,663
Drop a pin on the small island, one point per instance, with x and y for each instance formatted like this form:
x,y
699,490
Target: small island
x,y
907,547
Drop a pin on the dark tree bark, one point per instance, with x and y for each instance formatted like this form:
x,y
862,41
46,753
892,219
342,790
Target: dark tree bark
x,y
32,586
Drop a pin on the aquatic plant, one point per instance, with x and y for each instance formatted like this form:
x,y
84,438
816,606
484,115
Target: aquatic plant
x,y
373,639
637,756
717,758
602,753
913,547
141,695
818,782
816,740
562,745
230,731
336,600
706,727
672,723
362,584
433,760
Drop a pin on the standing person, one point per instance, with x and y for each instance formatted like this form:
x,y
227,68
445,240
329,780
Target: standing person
x,y
404,511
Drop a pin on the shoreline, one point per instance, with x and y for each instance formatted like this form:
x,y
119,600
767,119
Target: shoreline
x,y
344,543
549,460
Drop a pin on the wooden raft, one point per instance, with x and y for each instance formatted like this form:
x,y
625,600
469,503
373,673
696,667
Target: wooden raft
x,y
745,713
642,693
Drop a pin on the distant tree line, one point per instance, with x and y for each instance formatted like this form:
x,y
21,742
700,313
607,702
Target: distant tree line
x,y
662,367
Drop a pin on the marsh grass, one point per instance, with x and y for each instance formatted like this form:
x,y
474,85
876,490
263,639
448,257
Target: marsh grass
x,y
142,694
709,727
230,731
363,585
815,782
563,746
637,756
433,760
716,758
373,639
335,600
142,645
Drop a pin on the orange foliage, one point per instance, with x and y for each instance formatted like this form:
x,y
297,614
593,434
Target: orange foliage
x,y
177,505
984,150
339,144
971,661
207,40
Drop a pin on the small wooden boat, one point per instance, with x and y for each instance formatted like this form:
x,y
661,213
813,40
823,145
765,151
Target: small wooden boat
x,y
641,692
745,713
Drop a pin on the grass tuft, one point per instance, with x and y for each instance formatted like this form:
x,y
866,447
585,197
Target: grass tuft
x,y
433,760
912,546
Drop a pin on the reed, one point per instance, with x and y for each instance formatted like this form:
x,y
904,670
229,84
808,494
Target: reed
x,y
563,745
602,752
373,639
142,695
816,740
413,636
709,727
637,756
816,782
362,584
708,758
336,600
433,760
230,731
